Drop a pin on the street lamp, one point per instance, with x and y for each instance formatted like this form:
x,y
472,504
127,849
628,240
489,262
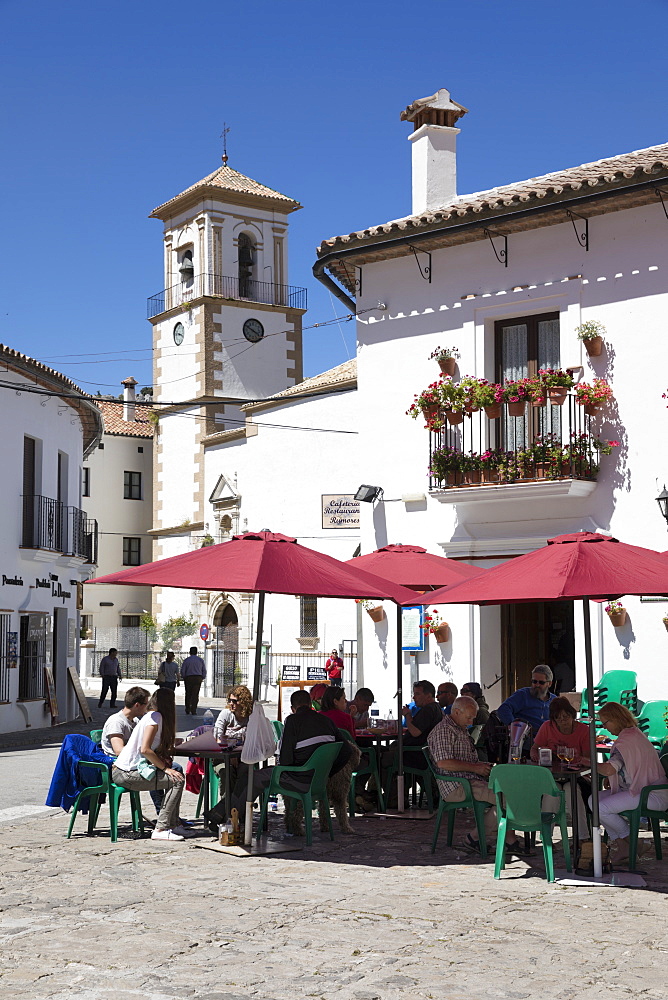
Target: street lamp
x,y
367,494
662,501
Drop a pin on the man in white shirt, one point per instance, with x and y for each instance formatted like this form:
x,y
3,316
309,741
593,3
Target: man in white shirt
x,y
118,727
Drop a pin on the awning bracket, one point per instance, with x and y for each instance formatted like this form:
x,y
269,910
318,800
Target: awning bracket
x,y
659,194
425,271
501,255
583,237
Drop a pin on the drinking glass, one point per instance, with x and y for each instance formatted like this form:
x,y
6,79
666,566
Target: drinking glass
x,y
569,754
562,754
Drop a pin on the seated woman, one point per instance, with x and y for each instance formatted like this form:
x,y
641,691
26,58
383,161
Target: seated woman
x,y
153,739
633,764
333,704
562,730
232,721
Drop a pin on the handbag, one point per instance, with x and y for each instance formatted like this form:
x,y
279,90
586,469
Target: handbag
x,y
147,770
161,677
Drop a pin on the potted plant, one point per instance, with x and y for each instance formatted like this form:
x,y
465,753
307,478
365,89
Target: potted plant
x,y
515,394
604,447
593,396
591,335
665,621
536,390
557,383
446,465
453,398
471,468
489,464
579,455
427,403
488,396
447,358
616,613
375,612
435,625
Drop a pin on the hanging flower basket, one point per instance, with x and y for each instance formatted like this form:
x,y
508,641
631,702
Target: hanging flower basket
x,y
376,614
442,632
431,411
665,622
594,346
454,417
618,618
557,395
591,409
447,365
493,411
517,409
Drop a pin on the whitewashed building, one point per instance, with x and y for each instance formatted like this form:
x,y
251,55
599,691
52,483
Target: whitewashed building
x,y
506,276
117,485
48,542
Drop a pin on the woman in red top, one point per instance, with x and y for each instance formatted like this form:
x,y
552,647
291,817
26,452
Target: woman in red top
x,y
561,730
333,705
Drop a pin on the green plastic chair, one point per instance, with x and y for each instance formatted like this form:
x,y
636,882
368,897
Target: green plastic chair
x,y
278,727
320,764
451,808
652,722
214,788
653,815
113,792
96,735
371,768
423,775
614,685
518,791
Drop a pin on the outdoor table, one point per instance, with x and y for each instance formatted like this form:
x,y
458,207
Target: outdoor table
x,y
205,746
563,773
367,737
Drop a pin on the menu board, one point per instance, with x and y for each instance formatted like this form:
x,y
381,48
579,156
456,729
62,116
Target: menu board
x,y
50,692
412,636
291,672
79,692
316,673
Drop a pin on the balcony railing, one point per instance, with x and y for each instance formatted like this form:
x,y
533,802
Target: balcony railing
x,y
223,287
548,442
51,524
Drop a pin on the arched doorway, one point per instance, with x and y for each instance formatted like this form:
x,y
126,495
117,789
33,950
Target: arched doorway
x,y
226,672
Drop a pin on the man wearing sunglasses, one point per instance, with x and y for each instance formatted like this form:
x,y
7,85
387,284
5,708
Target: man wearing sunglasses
x,y
530,704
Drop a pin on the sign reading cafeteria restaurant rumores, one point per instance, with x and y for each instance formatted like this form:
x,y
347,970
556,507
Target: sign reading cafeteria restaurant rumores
x,y
340,510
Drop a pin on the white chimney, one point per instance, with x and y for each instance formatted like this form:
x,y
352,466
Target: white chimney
x,y
129,397
434,149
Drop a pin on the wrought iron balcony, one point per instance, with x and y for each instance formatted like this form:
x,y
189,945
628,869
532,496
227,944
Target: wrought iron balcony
x,y
547,443
51,524
219,286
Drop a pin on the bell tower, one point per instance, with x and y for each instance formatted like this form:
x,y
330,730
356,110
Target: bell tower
x,y
226,328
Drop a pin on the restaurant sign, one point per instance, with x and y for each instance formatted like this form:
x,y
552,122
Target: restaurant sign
x,y
340,510
291,672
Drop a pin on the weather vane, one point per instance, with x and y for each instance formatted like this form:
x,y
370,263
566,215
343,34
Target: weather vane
x,y
223,136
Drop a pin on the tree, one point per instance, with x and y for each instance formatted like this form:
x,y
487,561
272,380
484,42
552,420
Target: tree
x,y
171,629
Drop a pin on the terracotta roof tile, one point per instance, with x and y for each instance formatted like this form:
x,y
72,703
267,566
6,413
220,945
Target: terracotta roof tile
x,y
114,423
334,376
231,180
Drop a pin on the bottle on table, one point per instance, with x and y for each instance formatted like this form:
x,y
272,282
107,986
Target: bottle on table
x,y
207,718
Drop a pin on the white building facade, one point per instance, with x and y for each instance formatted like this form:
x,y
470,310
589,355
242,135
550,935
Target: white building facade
x,y
505,277
48,542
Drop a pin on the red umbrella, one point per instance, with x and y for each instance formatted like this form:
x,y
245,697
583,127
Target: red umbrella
x,y
414,567
583,565
260,562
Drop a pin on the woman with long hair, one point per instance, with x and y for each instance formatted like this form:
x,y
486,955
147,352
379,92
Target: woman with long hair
x,y
633,764
232,721
333,705
152,739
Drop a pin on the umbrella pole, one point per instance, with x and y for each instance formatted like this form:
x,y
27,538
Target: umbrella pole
x,y
595,821
248,830
400,705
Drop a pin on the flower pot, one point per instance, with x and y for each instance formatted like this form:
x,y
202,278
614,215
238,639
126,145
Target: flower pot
x,y
473,478
454,478
447,365
442,632
618,618
431,411
594,346
454,416
541,470
470,408
557,395
493,411
591,409
376,614
490,475
665,624
517,409
539,402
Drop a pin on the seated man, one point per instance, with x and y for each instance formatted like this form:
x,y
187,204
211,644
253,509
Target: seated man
x,y
118,727
453,752
445,695
304,731
419,723
359,707
530,704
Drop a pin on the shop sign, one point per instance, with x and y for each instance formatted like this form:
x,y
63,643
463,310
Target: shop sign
x,y
340,510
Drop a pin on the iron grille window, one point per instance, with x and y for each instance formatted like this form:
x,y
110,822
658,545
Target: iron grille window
x,y
4,658
308,617
32,658
132,551
132,485
130,621
85,481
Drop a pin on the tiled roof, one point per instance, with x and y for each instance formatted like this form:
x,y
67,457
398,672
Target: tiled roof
x,y
114,423
346,372
611,174
227,179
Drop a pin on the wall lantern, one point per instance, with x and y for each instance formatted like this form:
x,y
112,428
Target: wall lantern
x,y
367,494
662,501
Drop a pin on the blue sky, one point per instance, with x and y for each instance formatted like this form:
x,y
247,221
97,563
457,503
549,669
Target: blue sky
x,y
110,110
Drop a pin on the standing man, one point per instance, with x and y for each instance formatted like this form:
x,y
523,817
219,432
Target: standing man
x,y
334,668
110,672
193,672
445,696
530,704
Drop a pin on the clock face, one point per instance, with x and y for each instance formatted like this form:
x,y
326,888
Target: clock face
x,y
253,330
179,334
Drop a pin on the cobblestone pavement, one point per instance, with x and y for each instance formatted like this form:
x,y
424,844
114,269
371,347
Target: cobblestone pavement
x,y
373,915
